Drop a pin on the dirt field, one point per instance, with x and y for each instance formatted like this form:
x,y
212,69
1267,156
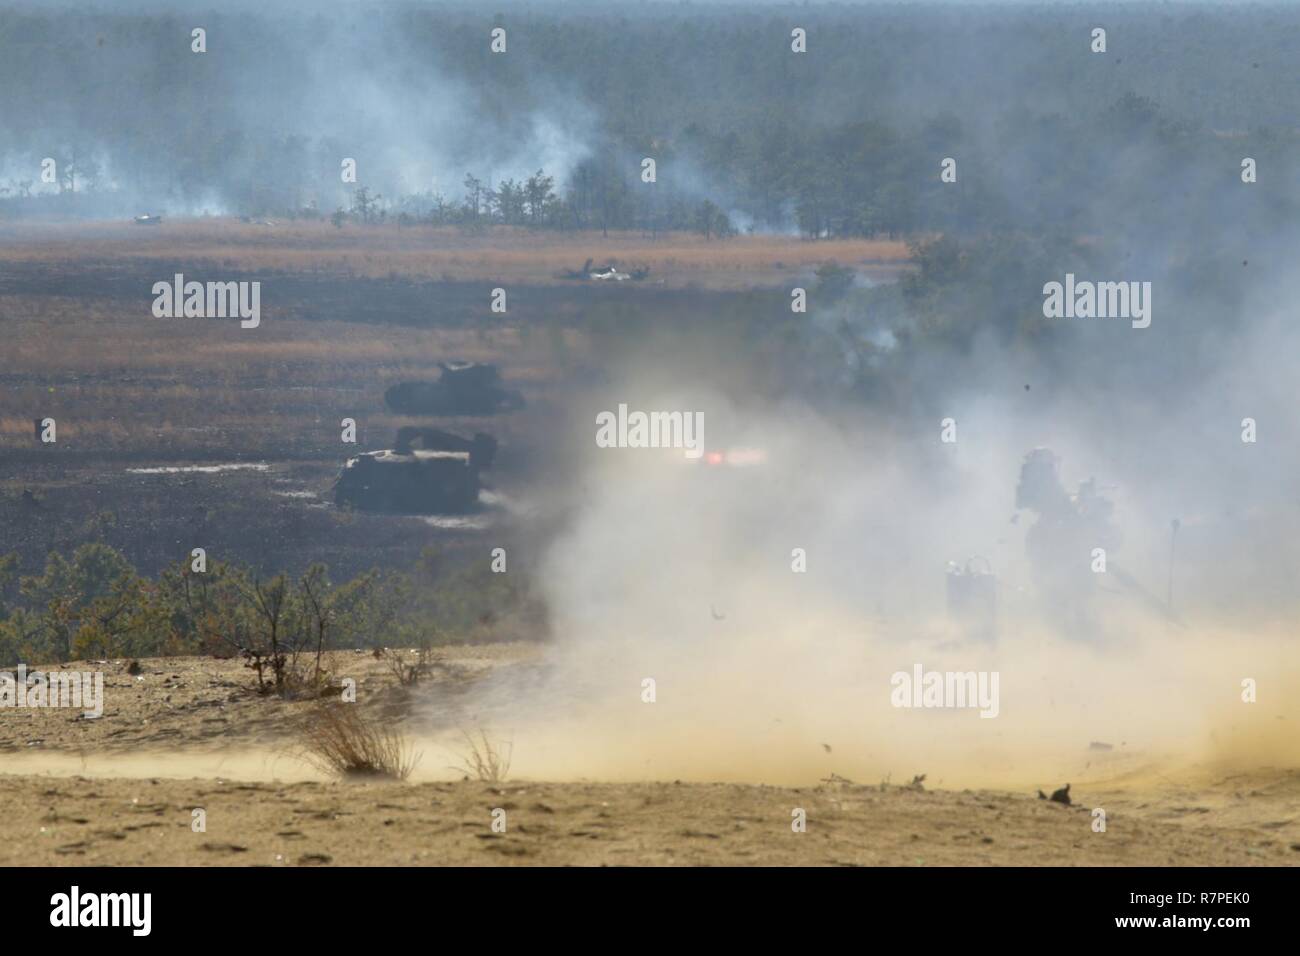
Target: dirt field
x,y
204,703
190,733
93,821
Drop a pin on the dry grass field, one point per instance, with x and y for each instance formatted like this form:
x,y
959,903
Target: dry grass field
x,y
345,314
136,398
442,253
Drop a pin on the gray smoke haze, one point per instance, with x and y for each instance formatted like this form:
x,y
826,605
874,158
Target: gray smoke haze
x,y
1047,134
264,118
1115,169
681,572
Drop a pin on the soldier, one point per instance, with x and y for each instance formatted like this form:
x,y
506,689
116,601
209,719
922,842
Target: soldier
x,y
1061,543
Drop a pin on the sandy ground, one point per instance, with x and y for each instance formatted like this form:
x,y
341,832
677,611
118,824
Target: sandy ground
x,y
190,733
209,705
149,821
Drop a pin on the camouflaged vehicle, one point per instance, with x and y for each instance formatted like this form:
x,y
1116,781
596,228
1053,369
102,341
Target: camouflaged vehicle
x,y
440,476
465,388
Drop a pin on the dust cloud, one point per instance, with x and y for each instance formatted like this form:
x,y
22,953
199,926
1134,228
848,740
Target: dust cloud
x,y
683,572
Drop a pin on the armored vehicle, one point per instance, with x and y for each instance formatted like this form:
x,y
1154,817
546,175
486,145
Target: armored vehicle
x,y
441,476
464,388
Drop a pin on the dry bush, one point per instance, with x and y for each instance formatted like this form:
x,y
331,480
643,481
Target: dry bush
x,y
303,681
484,760
341,738
410,666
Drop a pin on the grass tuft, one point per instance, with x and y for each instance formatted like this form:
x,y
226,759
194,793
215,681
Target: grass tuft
x,y
341,738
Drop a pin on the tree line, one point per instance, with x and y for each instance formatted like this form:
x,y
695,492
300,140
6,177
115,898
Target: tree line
x,y
93,604
843,140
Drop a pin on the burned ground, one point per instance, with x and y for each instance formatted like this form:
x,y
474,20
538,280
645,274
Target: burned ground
x,y
135,396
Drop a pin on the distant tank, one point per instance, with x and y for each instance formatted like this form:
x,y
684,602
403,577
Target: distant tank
x,y
441,476
465,388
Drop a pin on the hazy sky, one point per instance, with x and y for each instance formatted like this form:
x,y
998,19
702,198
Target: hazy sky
x,y
271,6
